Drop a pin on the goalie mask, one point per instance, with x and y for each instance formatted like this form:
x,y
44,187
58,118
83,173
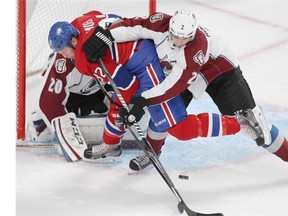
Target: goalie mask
x,y
60,35
183,24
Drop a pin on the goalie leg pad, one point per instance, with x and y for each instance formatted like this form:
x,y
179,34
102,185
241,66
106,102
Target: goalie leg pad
x,y
69,135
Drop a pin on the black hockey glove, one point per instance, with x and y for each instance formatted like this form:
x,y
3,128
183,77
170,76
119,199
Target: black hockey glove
x,y
136,112
98,43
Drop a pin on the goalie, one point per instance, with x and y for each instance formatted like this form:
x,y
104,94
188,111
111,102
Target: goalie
x,y
69,100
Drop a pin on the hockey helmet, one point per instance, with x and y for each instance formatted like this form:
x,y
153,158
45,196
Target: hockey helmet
x,y
60,35
183,24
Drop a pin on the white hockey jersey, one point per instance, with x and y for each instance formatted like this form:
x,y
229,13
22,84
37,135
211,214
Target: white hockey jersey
x,y
192,66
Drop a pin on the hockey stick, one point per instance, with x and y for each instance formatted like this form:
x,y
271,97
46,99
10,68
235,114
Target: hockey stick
x,y
144,144
104,91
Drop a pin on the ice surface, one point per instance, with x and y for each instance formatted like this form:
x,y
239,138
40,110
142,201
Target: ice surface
x,y
228,174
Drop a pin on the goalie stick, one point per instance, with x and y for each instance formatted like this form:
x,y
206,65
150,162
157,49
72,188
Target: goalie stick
x,y
144,144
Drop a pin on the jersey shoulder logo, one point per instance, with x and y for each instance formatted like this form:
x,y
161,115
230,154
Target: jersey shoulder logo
x,y
199,58
156,17
60,65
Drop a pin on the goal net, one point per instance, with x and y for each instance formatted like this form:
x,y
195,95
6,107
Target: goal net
x,y
35,17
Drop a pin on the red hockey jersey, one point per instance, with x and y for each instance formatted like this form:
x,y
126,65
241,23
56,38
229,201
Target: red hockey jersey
x,y
118,55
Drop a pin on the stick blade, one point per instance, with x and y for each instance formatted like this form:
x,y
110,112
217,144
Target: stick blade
x,y
183,207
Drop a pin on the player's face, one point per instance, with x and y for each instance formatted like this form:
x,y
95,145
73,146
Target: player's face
x,y
180,41
68,52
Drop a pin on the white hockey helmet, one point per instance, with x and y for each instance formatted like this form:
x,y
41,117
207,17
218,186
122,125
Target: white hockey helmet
x,y
183,24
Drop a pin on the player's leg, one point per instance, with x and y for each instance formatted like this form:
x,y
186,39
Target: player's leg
x,y
205,125
182,127
156,140
278,145
193,126
113,132
231,93
114,129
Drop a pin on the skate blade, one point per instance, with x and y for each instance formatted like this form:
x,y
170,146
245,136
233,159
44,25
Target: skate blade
x,y
139,172
106,160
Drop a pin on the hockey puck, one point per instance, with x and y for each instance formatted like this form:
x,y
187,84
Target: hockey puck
x,y
183,177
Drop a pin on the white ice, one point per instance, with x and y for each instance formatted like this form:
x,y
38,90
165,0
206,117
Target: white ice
x,y
228,174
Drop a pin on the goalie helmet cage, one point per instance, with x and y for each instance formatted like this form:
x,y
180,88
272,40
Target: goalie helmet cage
x,y
34,19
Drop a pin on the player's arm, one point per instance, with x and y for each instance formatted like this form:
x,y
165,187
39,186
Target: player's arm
x,y
100,38
129,29
137,28
175,83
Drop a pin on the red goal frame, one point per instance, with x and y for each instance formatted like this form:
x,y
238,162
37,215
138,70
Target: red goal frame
x,y
21,69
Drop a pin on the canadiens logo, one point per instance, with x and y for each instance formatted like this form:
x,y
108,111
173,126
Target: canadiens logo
x,y
154,18
60,65
199,58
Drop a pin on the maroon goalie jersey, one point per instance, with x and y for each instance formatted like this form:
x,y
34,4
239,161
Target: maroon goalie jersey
x,y
59,80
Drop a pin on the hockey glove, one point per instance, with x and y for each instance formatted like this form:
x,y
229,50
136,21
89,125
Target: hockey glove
x,y
139,104
97,44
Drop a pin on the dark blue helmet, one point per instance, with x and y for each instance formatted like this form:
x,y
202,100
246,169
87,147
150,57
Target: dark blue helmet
x,y
60,35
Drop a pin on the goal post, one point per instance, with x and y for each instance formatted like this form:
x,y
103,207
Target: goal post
x,y
21,69
152,6
34,19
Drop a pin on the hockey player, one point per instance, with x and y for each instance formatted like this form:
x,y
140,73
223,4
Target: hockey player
x,y
135,68
67,94
193,58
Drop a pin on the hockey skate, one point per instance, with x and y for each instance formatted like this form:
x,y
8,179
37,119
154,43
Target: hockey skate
x,y
103,151
141,162
249,126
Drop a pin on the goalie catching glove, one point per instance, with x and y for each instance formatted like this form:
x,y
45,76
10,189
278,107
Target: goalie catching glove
x,y
97,44
139,105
